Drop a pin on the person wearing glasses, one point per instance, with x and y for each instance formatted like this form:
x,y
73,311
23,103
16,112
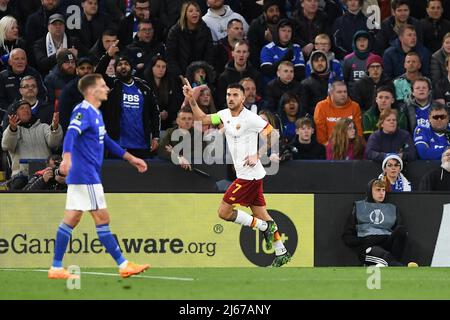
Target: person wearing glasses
x,y
392,173
432,141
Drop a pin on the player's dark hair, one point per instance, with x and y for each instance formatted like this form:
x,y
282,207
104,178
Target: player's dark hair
x,y
87,81
236,86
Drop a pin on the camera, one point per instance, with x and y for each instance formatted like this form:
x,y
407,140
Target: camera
x,y
55,170
287,152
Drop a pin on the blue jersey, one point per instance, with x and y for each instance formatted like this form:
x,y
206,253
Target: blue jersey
x,y
422,116
271,53
429,144
88,146
132,134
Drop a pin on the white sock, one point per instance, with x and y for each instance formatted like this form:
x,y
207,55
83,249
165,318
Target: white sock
x,y
279,248
123,264
261,224
243,218
57,268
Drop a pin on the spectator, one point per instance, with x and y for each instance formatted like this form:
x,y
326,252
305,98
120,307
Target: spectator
x,y
92,24
438,65
384,99
374,229
432,141
442,92
218,16
60,75
262,29
169,14
355,64
108,39
131,113
70,95
167,89
235,70
344,143
253,101
284,83
27,138
45,49
289,111
315,87
394,56
199,73
10,78
49,178
417,107
9,39
225,46
309,22
390,27
29,92
390,139
189,40
392,167
282,49
439,178
322,42
403,84
9,8
347,26
305,146
434,26
337,105
129,25
144,47
364,90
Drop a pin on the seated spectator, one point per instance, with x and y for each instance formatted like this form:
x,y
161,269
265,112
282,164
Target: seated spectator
x,y
438,65
167,89
282,49
417,107
392,167
289,111
384,100
355,63
225,46
45,49
9,39
434,26
10,79
439,178
344,143
253,101
390,139
305,146
190,29
284,83
144,47
322,42
442,92
374,229
315,87
403,83
346,27
48,178
365,89
432,141
395,55
27,138
236,70
70,96
336,106
29,92
60,75
199,73
218,16
108,39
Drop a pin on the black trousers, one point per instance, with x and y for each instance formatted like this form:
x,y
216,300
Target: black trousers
x,y
387,250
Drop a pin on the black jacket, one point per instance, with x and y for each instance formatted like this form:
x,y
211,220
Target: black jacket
x,y
365,89
91,31
70,96
275,89
142,52
112,108
311,151
436,180
37,25
184,47
305,30
313,90
386,36
126,30
434,32
256,38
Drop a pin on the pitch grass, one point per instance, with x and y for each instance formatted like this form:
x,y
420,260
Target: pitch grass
x,y
234,284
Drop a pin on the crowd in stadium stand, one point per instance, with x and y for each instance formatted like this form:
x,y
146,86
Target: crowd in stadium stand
x,y
340,79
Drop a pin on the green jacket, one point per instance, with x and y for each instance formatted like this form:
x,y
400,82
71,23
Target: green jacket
x,y
371,117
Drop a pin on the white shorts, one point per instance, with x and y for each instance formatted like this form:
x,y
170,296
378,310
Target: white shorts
x,y
85,197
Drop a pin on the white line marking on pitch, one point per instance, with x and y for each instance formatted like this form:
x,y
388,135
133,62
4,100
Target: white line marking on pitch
x,y
108,274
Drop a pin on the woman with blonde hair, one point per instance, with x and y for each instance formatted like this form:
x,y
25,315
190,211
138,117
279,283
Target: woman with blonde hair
x,y
344,143
9,38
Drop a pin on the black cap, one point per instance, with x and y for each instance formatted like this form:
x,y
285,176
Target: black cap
x,y
16,105
83,60
56,17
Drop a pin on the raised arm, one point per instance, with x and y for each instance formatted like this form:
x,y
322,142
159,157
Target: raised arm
x,y
198,113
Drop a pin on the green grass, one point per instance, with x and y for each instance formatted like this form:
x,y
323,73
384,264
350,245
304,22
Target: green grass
x,y
234,283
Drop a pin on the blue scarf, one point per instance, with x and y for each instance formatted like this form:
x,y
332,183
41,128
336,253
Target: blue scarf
x,y
398,185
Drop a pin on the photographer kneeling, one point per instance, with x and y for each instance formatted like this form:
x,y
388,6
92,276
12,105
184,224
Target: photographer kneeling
x,y
48,178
